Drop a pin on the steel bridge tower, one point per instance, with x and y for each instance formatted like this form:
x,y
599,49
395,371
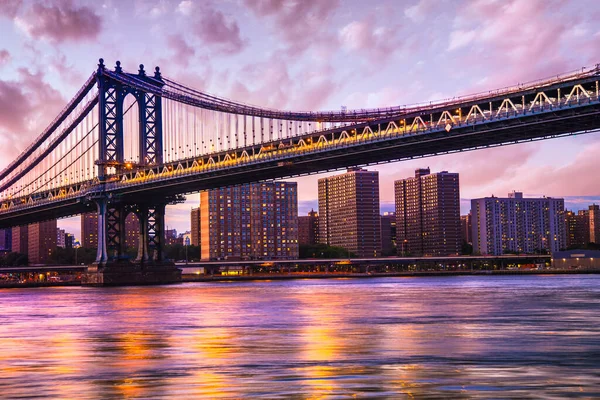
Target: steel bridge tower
x,y
112,210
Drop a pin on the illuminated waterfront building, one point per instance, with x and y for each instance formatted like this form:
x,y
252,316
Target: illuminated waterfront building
x,y
349,212
42,241
170,237
258,221
594,221
89,231
60,238
5,240
308,228
388,233
428,214
577,228
517,225
195,224
20,239
466,228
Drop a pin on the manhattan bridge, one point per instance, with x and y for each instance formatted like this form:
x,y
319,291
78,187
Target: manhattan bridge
x,y
134,142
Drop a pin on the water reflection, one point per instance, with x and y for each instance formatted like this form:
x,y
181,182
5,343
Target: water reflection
x,y
452,337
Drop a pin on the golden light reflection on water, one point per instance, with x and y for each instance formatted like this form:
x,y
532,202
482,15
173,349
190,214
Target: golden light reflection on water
x,y
386,338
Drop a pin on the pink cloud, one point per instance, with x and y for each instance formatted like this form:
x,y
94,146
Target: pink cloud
x,y
60,23
301,23
182,52
4,57
218,31
10,8
270,84
27,106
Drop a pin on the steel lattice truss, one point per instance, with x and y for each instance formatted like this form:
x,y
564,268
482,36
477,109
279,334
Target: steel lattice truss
x,y
190,141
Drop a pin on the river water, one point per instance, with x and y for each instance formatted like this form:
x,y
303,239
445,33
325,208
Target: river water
x,y
425,337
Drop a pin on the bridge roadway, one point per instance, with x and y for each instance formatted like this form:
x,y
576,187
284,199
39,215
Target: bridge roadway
x,y
558,109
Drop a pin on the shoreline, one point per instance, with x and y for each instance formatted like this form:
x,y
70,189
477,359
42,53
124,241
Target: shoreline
x,y
186,278
190,278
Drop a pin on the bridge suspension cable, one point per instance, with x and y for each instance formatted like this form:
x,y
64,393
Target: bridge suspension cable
x,y
52,128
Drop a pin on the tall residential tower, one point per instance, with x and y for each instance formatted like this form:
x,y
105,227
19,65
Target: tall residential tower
x,y
349,212
428,214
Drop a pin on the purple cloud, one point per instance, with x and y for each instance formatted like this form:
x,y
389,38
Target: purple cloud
x,y
10,8
301,23
181,50
60,23
4,57
218,31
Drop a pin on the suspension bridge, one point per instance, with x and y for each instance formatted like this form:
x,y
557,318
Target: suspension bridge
x,y
133,142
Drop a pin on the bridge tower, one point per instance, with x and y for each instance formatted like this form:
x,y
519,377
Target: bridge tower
x,y
113,87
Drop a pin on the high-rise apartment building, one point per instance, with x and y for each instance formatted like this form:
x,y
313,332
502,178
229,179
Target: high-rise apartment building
x,y
577,228
60,238
5,240
349,212
466,228
308,228
594,214
42,242
20,239
258,221
89,231
132,231
170,237
428,214
195,224
517,225
388,233
69,241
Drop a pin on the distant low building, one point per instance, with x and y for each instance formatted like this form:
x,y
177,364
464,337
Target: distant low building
x,y
308,228
388,233
576,259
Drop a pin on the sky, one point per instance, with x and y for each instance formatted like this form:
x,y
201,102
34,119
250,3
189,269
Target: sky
x,y
316,55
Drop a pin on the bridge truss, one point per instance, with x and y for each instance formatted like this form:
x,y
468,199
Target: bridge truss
x,y
134,142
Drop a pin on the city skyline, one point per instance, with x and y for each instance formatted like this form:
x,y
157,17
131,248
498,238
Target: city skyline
x,y
42,66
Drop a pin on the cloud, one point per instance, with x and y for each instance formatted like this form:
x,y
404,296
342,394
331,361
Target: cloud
x,y
10,8
27,106
4,57
370,38
182,51
218,31
300,23
460,38
271,84
185,7
60,23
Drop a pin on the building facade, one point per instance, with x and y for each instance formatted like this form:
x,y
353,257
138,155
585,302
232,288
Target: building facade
x,y
170,237
253,221
594,218
89,231
428,214
308,228
5,240
349,212
577,228
42,242
20,239
388,233
517,225
466,228
60,238
195,224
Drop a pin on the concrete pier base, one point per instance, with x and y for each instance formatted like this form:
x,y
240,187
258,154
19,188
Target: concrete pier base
x,y
127,274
